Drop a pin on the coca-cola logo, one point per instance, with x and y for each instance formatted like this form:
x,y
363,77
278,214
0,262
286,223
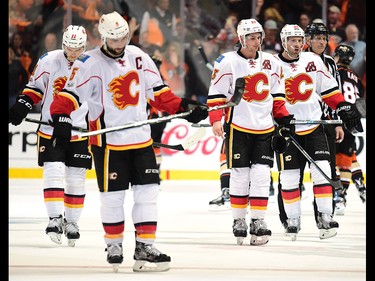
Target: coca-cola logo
x,y
176,134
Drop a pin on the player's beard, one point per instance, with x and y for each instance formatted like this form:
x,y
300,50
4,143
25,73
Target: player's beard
x,y
115,52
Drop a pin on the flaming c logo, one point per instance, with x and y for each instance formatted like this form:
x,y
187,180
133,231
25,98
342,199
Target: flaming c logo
x,y
120,87
294,88
254,83
59,84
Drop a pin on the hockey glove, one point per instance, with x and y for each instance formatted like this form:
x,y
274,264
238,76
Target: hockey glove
x,y
285,128
350,116
199,112
20,109
279,143
62,131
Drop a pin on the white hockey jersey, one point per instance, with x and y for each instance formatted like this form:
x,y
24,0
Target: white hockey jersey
x,y
48,78
308,82
264,92
117,92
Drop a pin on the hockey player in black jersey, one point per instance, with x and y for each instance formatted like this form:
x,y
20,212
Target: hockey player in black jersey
x,y
346,158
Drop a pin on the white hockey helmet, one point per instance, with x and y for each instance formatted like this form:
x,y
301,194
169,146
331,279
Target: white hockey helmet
x,y
75,37
290,30
113,26
246,27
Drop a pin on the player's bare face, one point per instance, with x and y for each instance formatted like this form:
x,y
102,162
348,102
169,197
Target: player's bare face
x,y
253,42
294,46
319,43
116,47
73,53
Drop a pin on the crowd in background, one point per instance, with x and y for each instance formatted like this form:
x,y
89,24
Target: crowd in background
x,y
172,31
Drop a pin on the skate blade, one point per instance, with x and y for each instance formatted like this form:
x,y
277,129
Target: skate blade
x,y
55,237
240,240
115,267
292,236
259,240
219,208
327,233
145,266
72,242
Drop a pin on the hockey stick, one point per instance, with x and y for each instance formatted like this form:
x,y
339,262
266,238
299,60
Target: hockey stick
x,y
335,184
79,129
296,122
326,122
205,59
189,142
236,98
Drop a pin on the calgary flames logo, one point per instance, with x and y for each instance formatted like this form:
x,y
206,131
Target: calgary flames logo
x,y
120,87
59,84
256,88
298,88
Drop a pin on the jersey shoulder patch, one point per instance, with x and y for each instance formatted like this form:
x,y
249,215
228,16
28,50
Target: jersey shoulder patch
x,y
220,58
83,57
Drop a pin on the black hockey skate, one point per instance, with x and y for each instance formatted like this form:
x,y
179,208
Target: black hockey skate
x,y
240,230
55,229
114,255
146,255
327,226
221,203
71,232
293,227
259,232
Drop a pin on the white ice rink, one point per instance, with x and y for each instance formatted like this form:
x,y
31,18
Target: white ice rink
x,y
200,242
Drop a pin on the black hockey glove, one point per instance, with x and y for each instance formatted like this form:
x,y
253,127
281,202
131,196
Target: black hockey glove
x,y
62,131
285,128
350,116
199,112
279,143
20,109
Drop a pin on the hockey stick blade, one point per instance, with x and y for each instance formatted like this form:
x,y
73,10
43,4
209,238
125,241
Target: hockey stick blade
x,y
336,184
326,122
74,128
189,142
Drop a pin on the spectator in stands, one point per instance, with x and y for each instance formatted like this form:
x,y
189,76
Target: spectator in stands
x,y
271,42
17,77
160,23
358,65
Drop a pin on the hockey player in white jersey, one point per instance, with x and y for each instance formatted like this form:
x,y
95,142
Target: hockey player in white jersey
x,y
117,81
250,126
307,82
64,168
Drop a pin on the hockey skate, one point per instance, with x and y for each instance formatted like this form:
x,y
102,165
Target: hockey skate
x,y
327,226
55,229
149,259
222,203
361,189
340,204
240,230
114,255
259,232
293,227
71,232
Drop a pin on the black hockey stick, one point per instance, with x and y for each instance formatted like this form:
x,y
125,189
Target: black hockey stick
x,y
79,129
336,184
205,59
236,98
189,142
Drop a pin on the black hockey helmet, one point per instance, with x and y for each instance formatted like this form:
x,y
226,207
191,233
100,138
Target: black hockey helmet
x,y
316,28
345,53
